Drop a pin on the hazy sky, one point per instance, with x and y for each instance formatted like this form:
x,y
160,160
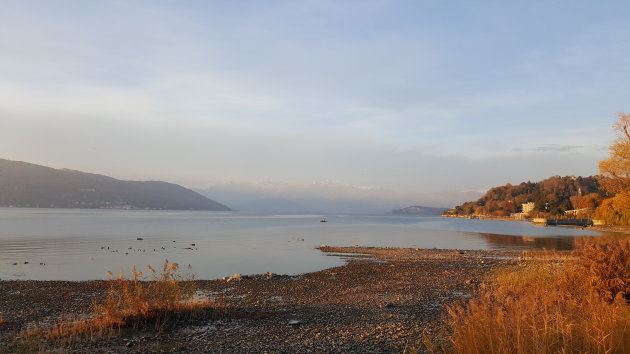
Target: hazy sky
x,y
408,96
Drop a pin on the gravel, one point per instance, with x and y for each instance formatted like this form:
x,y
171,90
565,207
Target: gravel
x,y
381,301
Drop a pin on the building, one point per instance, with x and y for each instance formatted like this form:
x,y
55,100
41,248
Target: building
x,y
528,207
577,212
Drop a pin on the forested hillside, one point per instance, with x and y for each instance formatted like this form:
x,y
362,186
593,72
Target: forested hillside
x,y
554,196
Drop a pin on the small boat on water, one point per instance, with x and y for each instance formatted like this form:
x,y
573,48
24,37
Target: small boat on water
x,y
323,220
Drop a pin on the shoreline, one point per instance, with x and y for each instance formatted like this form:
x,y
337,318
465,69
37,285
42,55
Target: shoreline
x,y
381,300
609,228
600,228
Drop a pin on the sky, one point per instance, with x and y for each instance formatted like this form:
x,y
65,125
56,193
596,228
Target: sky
x,y
400,96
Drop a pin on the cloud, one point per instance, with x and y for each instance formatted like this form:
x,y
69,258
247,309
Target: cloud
x,y
53,103
363,95
557,147
561,148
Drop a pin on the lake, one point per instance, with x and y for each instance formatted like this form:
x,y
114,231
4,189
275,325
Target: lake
x,y
62,244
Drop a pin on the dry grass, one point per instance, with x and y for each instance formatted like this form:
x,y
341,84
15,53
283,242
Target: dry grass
x,y
549,255
133,302
608,267
551,307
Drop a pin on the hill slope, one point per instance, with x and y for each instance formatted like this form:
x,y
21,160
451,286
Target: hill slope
x,y
27,185
554,196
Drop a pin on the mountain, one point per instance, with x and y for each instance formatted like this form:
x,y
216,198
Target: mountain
x,y
552,196
417,210
275,205
326,197
32,186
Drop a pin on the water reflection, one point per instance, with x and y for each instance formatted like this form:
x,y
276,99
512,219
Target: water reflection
x,y
528,242
565,243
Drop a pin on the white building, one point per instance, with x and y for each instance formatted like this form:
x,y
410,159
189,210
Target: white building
x,y
528,207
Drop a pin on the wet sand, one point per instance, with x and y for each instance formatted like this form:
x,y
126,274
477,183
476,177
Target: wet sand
x,y
382,300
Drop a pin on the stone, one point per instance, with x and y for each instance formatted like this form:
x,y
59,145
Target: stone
x,y
235,277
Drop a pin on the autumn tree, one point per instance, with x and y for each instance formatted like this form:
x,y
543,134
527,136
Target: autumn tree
x,y
615,176
589,201
615,211
615,170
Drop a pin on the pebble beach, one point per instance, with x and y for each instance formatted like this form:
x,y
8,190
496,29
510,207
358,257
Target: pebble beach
x,y
381,301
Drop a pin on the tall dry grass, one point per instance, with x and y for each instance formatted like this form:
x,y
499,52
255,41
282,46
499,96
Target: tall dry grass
x,y
608,267
155,302
573,306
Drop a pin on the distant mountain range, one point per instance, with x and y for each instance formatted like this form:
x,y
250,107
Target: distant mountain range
x,y
32,186
326,197
417,210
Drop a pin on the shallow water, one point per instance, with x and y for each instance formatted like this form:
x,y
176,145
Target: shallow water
x,y
61,244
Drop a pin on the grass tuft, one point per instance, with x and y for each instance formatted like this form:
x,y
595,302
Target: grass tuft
x,y
157,302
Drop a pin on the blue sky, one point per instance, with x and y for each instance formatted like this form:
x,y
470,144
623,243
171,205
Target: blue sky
x,y
403,96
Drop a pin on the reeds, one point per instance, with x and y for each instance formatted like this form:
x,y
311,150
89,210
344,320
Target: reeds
x,y
576,306
133,302
608,267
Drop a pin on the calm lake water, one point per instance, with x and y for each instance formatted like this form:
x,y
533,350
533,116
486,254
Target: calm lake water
x,y
61,244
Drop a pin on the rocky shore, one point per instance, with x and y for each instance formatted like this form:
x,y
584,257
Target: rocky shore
x,y
381,301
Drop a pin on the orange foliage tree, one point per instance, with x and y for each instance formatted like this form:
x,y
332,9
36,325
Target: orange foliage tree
x,y
589,201
615,170
616,210
615,176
